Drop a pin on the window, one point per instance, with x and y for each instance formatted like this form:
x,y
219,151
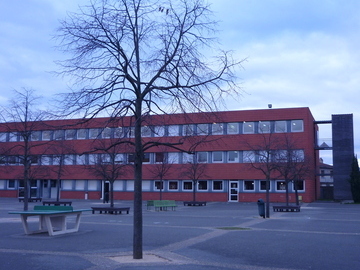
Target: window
x,y
131,132
217,129
2,160
92,185
58,134
298,155
80,160
187,158
202,129
93,159
217,157
187,185
159,131
56,160
265,156
131,158
35,136
145,131
70,134
249,185
81,134
173,130
3,136
217,185
80,185
202,185
45,160
146,158
159,185
11,184
67,184
188,130
264,127
299,185
13,160
119,159
280,126
106,133
233,128
94,133
263,185
68,159
297,125
13,137
248,128
119,132
46,135
233,156
202,157
173,158
248,156
173,185
160,157
280,185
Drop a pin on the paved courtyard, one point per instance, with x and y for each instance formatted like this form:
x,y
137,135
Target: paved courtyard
x,y
218,236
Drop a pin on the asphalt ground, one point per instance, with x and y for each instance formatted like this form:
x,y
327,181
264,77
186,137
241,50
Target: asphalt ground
x,y
221,236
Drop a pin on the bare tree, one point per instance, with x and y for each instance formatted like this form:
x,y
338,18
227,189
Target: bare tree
x,y
292,164
261,158
139,58
194,171
22,118
110,164
161,169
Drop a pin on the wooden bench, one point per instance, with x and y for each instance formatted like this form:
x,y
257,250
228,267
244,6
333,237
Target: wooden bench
x,y
284,208
110,210
194,203
57,203
31,199
149,204
52,219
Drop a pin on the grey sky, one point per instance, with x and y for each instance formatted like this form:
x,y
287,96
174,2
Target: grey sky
x,y
299,53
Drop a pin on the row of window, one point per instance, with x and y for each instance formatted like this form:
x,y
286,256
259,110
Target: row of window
x,y
168,185
161,131
158,158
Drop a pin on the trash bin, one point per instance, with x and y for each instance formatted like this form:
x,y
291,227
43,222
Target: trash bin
x,y
261,207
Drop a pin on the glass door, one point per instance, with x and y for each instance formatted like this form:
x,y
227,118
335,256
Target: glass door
x,y
233,191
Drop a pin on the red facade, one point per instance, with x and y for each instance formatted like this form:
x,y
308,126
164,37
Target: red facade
x,y
221,142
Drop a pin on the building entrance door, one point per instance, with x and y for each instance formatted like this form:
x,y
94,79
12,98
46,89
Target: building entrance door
x,y
233,191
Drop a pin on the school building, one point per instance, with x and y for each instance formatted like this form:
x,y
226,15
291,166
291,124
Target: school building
x,y
222,151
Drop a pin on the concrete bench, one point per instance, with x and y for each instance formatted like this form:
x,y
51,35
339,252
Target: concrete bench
x,y
284,208
110,210
194,203
52,219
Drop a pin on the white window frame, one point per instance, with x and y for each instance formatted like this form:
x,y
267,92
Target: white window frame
x,y
188,130
202,129
249,156
187,181
173,130
283,186
81,134
264,127
173,157
299,190
94,133
249,190
187,158
263,190
233,128
198,184
248,127
236,160
280,126
46,135
3,136
106,133
146,131
160,182
169,185
70,134
200,155
216,153
159,131
295,124
217,190
217,129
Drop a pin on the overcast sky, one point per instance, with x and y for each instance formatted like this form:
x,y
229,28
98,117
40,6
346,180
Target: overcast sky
x,y
300,53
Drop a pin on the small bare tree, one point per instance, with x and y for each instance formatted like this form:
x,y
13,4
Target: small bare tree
x,y
261,158
21,120
143,57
